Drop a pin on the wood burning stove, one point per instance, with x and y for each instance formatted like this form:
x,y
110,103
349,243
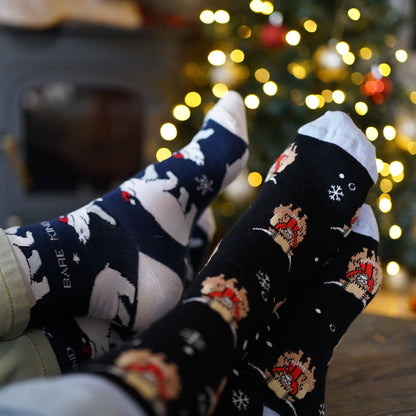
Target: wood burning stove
x,y
80,110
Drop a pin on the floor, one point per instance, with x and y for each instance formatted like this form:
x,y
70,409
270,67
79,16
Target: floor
x,y
373,371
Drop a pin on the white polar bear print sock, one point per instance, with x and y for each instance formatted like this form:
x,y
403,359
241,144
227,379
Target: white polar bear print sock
x,y
124,255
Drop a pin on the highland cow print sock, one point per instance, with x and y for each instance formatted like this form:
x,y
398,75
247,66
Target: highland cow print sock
x,y
305,209
285,374
122,257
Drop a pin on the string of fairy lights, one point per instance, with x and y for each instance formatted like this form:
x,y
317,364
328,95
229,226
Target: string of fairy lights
x,y
333,60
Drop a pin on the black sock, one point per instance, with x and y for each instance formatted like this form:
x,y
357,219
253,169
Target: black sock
x,y
180,364
286,371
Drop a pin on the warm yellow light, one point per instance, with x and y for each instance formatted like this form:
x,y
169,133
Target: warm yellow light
x,y
222,16
310,26
338,96
386,185
348,58
270,88
389,132
321,100
237,56
354,14
244,31
193,99
181,112
168,131
312,101
393,268
411,148
342,48
384,69
162,154
298,71
252,101
357,78
262,75
207,17
327,94
401,55
398,178
412,96
396,168
256,6
395,232
292,37
254,179
267,8
219,89
385,171
216,57
379,165
366,53
371,133
384,203
361,108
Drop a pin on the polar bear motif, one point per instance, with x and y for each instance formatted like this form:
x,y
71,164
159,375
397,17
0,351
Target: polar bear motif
x,y
80,219
153,194
29,265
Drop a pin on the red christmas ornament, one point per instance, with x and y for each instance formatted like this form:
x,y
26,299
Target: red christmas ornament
x,y
378,89
272,36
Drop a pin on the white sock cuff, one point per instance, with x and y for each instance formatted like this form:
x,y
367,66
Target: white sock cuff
x,y
337,127
230,113
269,412
366,223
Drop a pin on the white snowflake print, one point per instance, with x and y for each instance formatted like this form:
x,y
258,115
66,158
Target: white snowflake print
x,y
76,258
240,400
264,280
204,184
194,341
335,192
322,409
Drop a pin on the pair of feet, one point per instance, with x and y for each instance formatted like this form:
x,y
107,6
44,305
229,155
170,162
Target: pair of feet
x,y
122,259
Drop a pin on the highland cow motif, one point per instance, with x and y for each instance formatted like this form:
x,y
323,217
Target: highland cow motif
x,y
225,298
150,374
346,229
282,162
363,276
288,228
292,376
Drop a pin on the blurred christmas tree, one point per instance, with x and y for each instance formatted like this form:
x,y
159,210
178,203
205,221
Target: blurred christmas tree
x,y
292,61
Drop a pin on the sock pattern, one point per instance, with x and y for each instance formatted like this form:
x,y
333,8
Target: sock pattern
x,y
122,257
77,340
287,370
80,339
179,366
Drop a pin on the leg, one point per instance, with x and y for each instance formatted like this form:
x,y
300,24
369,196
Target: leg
x,y
122,256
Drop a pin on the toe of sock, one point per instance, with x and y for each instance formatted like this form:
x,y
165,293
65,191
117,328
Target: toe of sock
x,y
337,127
230,113
366,223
